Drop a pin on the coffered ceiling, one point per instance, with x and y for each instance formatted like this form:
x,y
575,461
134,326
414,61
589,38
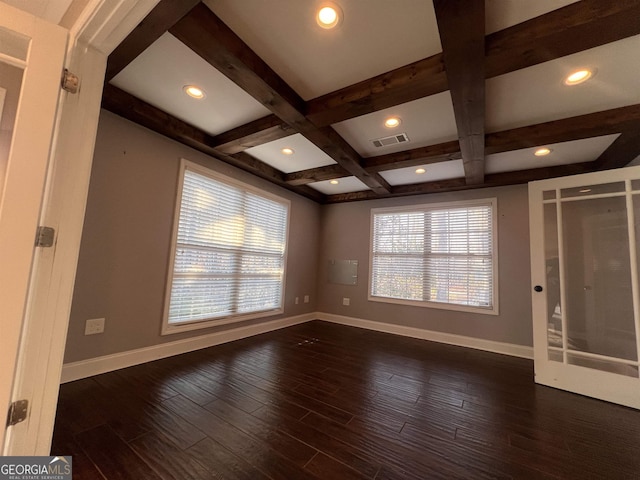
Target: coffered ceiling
x,y
477,85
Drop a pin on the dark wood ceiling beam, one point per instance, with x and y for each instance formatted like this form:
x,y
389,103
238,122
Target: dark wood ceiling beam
x,y
164,15
122,103
576,27
557,131
204,33
533,174
567,129
419,79
252,134
127,106
329,141
461,26
567,30
441,152
456,184
623,150
319,174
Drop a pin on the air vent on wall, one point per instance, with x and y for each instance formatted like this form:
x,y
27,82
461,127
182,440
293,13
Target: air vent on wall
x,y
391,140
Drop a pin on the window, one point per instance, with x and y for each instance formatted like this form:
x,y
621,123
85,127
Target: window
x,y
228,252
439,255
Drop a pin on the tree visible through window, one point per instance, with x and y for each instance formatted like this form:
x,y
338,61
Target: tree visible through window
x,y
228,252
437,254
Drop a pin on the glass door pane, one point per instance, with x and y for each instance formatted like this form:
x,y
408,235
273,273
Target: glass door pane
x,y
598,290
552,268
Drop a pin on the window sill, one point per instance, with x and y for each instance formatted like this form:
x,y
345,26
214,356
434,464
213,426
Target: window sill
x,y
171,328
441,306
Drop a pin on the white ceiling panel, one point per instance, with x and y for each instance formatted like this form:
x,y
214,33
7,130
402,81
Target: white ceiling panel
x,y
374,38
150,78
500,14
434,172
426,121
537,94
344,185
305,154
565,153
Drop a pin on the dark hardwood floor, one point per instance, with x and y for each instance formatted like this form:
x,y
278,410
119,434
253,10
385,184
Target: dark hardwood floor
x,y
323,401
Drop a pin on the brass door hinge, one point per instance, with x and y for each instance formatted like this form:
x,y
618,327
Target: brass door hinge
x,y
17,412
45,236
69,82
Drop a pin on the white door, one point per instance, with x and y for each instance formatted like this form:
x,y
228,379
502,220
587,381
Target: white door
x,y
585,247
95,31
32,52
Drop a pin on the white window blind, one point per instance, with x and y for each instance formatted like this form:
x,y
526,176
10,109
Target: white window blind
x,y
229,251
440,254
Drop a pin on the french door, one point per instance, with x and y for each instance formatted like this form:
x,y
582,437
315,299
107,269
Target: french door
x,y
32,53
585,247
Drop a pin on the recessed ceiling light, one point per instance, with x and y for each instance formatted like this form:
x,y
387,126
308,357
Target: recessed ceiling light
x,y
392,122
541,152
329,16
334,182
578,76
193,91
287,151
420,171
585,190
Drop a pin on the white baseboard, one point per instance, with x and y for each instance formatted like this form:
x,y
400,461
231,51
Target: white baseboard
x,y
521,351
95,366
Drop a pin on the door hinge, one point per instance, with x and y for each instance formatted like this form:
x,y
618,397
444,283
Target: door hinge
x,y
70,82
45,236
17,412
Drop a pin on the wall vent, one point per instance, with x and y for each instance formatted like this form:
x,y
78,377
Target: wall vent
x,y
391,140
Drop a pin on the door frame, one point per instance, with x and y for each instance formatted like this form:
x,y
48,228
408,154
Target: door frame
x,y
574,378
96,31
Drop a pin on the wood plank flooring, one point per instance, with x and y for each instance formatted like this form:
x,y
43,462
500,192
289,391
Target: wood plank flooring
x,y
329,402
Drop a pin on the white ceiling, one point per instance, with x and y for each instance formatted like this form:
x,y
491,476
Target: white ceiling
x,y
500,14
344,185
433,172
285,35
426,121
377,36
537,94
148,77
306,155
564,153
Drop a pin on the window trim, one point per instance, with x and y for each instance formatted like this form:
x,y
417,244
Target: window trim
x,y
168,328
493,202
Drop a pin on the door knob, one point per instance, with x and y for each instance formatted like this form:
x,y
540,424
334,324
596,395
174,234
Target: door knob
x,y
537,288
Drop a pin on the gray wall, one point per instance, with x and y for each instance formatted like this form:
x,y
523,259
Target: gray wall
x,y
346,235
125,248
126,241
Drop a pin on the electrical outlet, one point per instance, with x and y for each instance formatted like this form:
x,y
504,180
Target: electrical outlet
x,y
94,326
306,299
297,300
346,301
